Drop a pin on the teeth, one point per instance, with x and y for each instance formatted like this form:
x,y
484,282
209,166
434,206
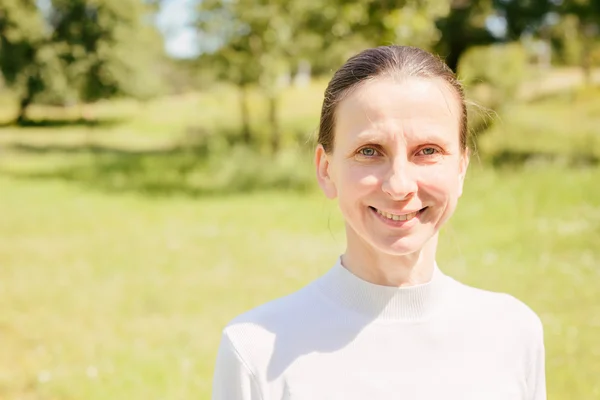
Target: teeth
x,y
395,217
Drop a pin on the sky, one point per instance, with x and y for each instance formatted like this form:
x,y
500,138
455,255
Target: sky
x,y
180,41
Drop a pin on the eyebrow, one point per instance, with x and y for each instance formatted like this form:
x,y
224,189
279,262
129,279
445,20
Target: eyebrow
x,y
370,137
378,137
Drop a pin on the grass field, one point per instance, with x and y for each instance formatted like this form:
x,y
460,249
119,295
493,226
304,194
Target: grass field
x,y
123,297
111,292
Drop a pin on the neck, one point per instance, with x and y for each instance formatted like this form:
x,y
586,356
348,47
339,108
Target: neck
x,y
385,269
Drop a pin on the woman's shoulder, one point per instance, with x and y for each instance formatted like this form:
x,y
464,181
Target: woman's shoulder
x,y
276,315
501,308
255,334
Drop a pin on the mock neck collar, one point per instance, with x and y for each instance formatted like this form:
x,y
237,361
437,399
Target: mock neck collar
x,y
408,303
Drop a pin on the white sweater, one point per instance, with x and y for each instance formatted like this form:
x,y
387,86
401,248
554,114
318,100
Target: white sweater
x,y
343,338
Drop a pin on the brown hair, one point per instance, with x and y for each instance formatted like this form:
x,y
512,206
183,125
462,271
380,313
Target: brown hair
x,y
404,60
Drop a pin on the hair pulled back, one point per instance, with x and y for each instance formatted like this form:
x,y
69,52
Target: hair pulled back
x,y
404,61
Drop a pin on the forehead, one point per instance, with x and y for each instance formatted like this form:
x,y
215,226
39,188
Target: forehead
x,y
408,107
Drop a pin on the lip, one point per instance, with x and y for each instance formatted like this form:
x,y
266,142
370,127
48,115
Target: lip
x,y
397,224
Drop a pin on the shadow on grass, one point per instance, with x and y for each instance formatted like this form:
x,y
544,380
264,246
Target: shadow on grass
x,y
176,171
61,123
512,158
209,169
88,149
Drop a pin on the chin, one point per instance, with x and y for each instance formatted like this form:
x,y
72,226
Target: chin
x,y
400,246
384,242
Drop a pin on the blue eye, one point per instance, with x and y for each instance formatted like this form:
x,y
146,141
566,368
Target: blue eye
x,y
368,152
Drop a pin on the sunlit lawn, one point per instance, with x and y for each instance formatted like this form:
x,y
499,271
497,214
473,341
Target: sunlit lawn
x,y
110,293
108,296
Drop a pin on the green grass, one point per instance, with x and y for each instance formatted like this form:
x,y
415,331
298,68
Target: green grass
x,y
123,296
118,272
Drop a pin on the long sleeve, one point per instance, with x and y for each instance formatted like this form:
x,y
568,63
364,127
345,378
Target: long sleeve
x,y
233,380
536,379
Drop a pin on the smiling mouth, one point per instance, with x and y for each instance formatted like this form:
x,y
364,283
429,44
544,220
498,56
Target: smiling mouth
x,y
398,217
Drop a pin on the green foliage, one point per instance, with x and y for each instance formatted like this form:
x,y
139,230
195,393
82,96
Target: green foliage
x,y
21,29
502,66
181,76
407,22
567,41
561,129
195,144
78,51
261,43
187,171
492,76
269,38
524,16
578,36
287,170
27,62
108,48
463,26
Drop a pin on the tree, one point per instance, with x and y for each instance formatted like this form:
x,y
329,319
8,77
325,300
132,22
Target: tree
x,y
463,27
524,16
107,47
492,76
27,58
260,42
587,14
234,62
78,50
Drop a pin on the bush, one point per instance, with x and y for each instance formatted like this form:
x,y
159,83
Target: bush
x,y
500,67
492,76
184,170
242,170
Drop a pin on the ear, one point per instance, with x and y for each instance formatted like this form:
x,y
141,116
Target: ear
x,y
322,165
462,170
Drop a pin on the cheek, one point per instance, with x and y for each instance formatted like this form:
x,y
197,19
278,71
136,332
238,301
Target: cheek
x,y
359,180
442,182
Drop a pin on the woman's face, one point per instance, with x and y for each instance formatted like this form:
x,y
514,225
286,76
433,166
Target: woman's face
x,y
397,166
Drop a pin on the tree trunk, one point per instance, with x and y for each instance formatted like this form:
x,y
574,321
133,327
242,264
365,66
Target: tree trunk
x,y
87,118
245,113
31,88
456,51
587,69
454,34
23,105
458,32
274,122
586,52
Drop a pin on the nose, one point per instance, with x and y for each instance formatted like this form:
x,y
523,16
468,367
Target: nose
x,y
400,182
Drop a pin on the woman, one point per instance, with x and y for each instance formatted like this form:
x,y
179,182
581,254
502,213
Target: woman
x,y
385,322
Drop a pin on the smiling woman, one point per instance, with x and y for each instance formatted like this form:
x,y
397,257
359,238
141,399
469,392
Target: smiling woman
x,y
397,154
385,322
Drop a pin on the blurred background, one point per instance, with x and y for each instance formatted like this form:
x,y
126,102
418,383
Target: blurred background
x,y
156,177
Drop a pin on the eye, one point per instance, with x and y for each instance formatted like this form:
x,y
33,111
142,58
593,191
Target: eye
x,y
428,151
368,152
